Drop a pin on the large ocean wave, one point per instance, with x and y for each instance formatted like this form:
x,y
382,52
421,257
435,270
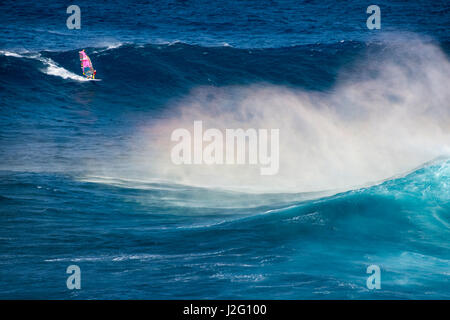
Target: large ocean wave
x,y
86,176
371,113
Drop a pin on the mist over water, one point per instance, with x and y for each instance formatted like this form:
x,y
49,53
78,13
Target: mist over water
x,y
386,114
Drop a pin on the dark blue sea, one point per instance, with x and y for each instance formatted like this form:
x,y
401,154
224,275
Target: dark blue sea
x,y
86,177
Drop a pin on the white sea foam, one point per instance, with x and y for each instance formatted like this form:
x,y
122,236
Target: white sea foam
x,y
50,66
10,54
106,46
53,69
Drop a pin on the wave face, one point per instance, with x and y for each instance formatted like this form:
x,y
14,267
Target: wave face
x,y
86,176
136,239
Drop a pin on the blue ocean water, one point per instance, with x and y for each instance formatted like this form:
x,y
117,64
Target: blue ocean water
x,y
86,179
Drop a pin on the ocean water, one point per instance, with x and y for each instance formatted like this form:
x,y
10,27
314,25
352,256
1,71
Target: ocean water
x,y
86,177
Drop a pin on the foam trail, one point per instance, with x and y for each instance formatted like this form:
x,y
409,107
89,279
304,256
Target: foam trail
x,y
53,69
10,54
387,118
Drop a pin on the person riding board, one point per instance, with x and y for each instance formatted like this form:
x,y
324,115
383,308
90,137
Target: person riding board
x,y
87,64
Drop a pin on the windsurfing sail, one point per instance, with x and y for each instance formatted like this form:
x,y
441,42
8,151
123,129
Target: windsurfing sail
x,y
86,65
